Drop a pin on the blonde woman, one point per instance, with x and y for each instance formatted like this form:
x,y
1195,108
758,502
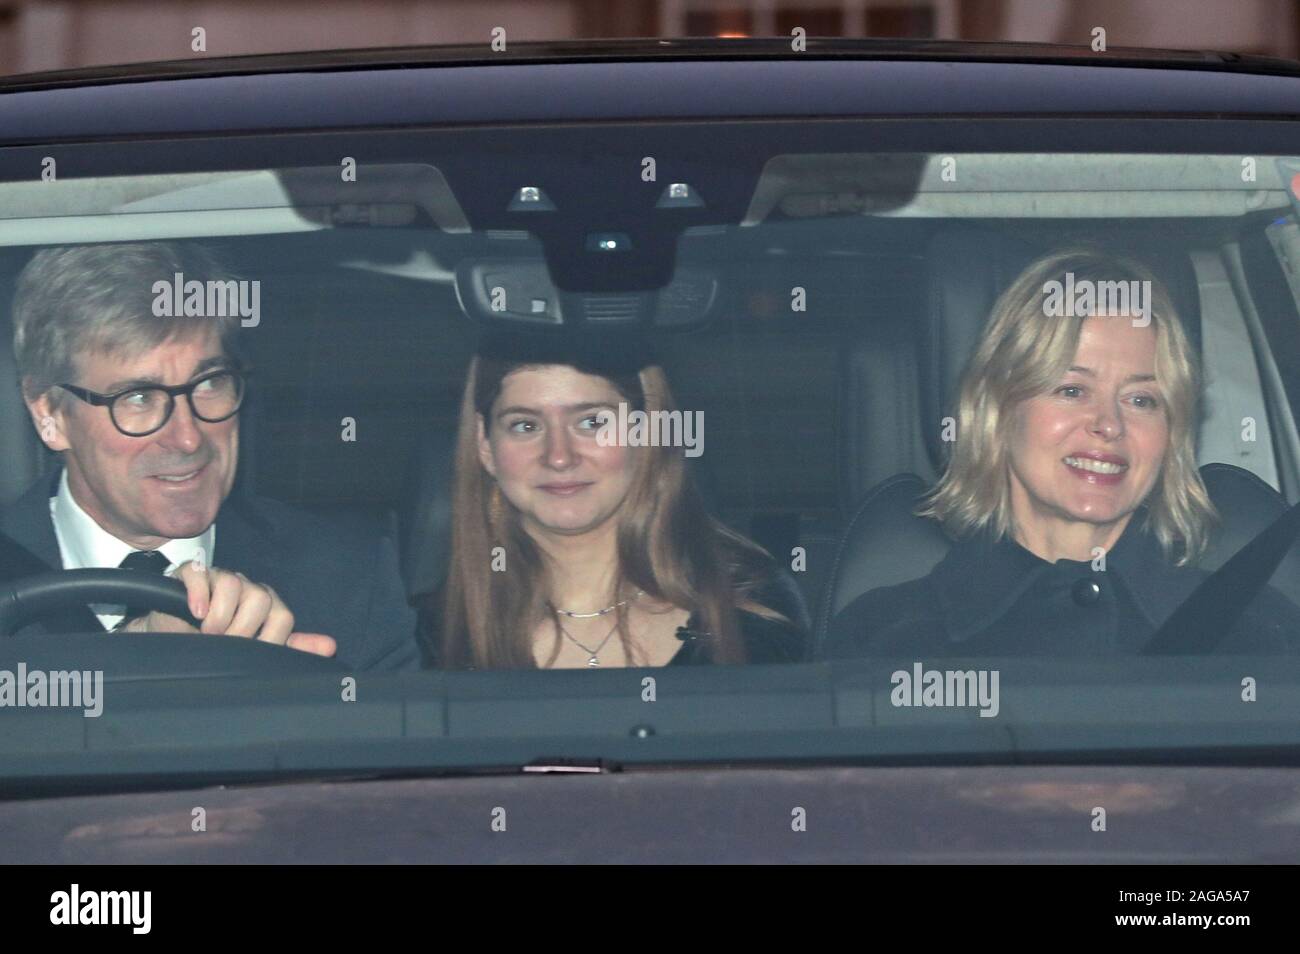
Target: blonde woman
x,y
1072,493
572,551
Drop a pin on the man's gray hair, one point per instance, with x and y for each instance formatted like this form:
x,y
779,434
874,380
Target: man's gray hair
x,y
78,299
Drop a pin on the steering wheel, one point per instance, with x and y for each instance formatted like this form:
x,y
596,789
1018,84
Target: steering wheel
x,y
31,598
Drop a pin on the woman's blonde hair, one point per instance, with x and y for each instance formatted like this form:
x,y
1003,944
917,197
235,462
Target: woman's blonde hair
x,y
669,546
1023,353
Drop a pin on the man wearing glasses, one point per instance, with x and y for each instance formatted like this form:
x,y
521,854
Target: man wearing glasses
x,y
144,411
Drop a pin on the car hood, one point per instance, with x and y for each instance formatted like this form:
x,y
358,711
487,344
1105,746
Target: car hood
x,y
994,814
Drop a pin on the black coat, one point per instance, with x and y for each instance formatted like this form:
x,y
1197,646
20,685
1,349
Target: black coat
x,y
337,578
988,598
766,640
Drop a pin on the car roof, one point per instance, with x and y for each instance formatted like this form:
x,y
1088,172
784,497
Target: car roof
x,y
635,80
657,49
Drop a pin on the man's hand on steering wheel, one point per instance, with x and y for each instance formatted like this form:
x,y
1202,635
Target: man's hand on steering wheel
x,y
230,604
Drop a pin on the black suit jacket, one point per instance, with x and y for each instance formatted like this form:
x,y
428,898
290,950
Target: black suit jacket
x,y
340,578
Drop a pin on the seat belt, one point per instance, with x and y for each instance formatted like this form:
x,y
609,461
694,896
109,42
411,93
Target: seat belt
x,y
1205,618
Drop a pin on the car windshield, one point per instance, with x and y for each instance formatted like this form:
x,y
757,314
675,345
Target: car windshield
x,y
947,431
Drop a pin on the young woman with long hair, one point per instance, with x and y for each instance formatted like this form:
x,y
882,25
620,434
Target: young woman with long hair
x,y
573,549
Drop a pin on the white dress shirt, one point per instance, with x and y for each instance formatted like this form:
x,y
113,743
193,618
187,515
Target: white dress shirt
x,y
84,545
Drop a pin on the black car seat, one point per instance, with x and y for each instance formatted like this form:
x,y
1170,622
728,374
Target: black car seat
x,y
22,454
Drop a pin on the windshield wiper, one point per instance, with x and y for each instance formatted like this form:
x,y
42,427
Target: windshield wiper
x,y
1205,618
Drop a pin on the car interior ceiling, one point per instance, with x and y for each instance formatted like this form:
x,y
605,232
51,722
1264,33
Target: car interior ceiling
x,y
797,456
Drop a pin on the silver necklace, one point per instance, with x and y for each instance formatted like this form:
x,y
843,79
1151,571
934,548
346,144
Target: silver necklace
x,y
601,612
591,653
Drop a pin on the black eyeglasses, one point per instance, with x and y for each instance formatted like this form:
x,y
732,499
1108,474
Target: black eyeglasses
x,y
139,411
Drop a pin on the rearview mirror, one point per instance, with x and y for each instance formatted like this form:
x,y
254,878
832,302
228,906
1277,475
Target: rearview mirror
x,y
520,292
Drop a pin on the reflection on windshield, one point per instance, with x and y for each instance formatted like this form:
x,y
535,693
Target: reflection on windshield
x,y
870,409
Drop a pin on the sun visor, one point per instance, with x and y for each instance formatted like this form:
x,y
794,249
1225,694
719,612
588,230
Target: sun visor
x,y
1013,185
212,204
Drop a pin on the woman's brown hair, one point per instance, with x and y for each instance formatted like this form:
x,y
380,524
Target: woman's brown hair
x,y
669,546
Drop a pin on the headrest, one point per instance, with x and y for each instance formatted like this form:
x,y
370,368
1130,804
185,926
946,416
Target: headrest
x,y
21,451
424,532
968,268
884,544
